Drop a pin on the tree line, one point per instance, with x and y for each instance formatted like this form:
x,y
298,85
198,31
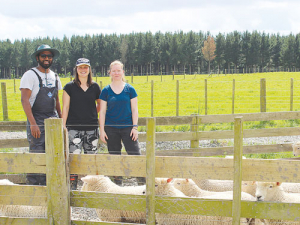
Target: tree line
x,y
159,53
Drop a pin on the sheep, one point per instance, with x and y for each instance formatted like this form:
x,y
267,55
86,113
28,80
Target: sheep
x,y
296,148
189,188
21,210
272,191
102,183
250,187
6,182
291,187
165,187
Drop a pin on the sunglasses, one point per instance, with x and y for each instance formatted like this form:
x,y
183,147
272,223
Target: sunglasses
x,y
43,56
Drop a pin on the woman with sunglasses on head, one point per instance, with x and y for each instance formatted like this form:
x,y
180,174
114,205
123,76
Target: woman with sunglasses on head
x,y
81,105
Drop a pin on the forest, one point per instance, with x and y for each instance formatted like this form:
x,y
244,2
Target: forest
x,y
159,53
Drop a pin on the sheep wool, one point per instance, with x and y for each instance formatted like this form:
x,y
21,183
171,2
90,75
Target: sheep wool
x,y
102,183
165,187
190,188
214,185
21,210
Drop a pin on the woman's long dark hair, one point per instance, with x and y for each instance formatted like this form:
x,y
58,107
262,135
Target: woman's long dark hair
x,y
89,80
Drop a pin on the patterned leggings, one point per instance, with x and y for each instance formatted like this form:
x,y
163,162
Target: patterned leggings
x,y
87,140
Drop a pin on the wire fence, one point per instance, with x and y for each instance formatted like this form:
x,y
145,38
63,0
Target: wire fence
x,y
182,95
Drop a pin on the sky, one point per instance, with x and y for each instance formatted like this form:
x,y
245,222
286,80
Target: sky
x,y
20,19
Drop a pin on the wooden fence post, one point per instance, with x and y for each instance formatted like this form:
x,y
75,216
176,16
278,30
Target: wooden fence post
x,y
177,98
194,128
150,171
233,95
205,91
263,100
237,182
57,184
100,84
132,78
173,75
4,101
152,97
292,94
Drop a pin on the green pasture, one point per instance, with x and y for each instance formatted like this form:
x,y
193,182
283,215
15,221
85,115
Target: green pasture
x,y
192,99
192,96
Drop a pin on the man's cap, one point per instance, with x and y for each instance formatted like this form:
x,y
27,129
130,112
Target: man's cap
x,y
83,61
42,48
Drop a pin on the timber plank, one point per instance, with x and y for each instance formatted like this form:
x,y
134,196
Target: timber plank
x,y
186,167
14,143
214,151
23,221
191,206
23,162
23,195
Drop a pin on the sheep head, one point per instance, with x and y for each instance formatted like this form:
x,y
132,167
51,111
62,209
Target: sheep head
x,y
267,191
95,183
296,149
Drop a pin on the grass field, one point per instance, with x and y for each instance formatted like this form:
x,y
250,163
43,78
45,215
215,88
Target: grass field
x,y
192,96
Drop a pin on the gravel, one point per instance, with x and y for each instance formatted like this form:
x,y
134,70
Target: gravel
x,y
88,214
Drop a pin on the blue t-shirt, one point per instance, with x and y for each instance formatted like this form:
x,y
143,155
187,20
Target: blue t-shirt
x,y
118,113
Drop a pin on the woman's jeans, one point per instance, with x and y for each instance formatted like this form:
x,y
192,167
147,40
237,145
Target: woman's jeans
x,y
118,135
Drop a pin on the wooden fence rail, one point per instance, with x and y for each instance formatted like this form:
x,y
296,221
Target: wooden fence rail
x,y
195,135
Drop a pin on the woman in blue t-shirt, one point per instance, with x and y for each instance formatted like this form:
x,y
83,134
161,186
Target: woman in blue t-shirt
x,y
118,117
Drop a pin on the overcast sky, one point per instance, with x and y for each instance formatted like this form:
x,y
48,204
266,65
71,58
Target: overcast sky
x,y
32,19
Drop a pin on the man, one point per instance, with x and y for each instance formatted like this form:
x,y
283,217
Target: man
x,y
39,96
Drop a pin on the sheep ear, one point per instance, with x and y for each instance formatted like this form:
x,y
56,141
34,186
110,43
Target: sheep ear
x,y
169,180
187,180
278,183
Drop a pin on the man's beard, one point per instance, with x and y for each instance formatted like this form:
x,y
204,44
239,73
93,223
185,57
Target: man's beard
x,y
45,66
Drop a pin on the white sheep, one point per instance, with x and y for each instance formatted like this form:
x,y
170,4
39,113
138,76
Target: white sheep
x,y
250,187
189,188
21,210
272,191
296,148
165,187
102,183
6,182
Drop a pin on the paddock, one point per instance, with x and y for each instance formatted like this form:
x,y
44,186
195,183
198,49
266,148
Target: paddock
x,y
194,163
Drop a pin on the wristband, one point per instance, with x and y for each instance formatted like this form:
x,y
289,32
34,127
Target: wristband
x,y
135,125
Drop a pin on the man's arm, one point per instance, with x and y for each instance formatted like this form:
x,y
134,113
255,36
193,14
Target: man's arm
x,y
25,95
58,109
